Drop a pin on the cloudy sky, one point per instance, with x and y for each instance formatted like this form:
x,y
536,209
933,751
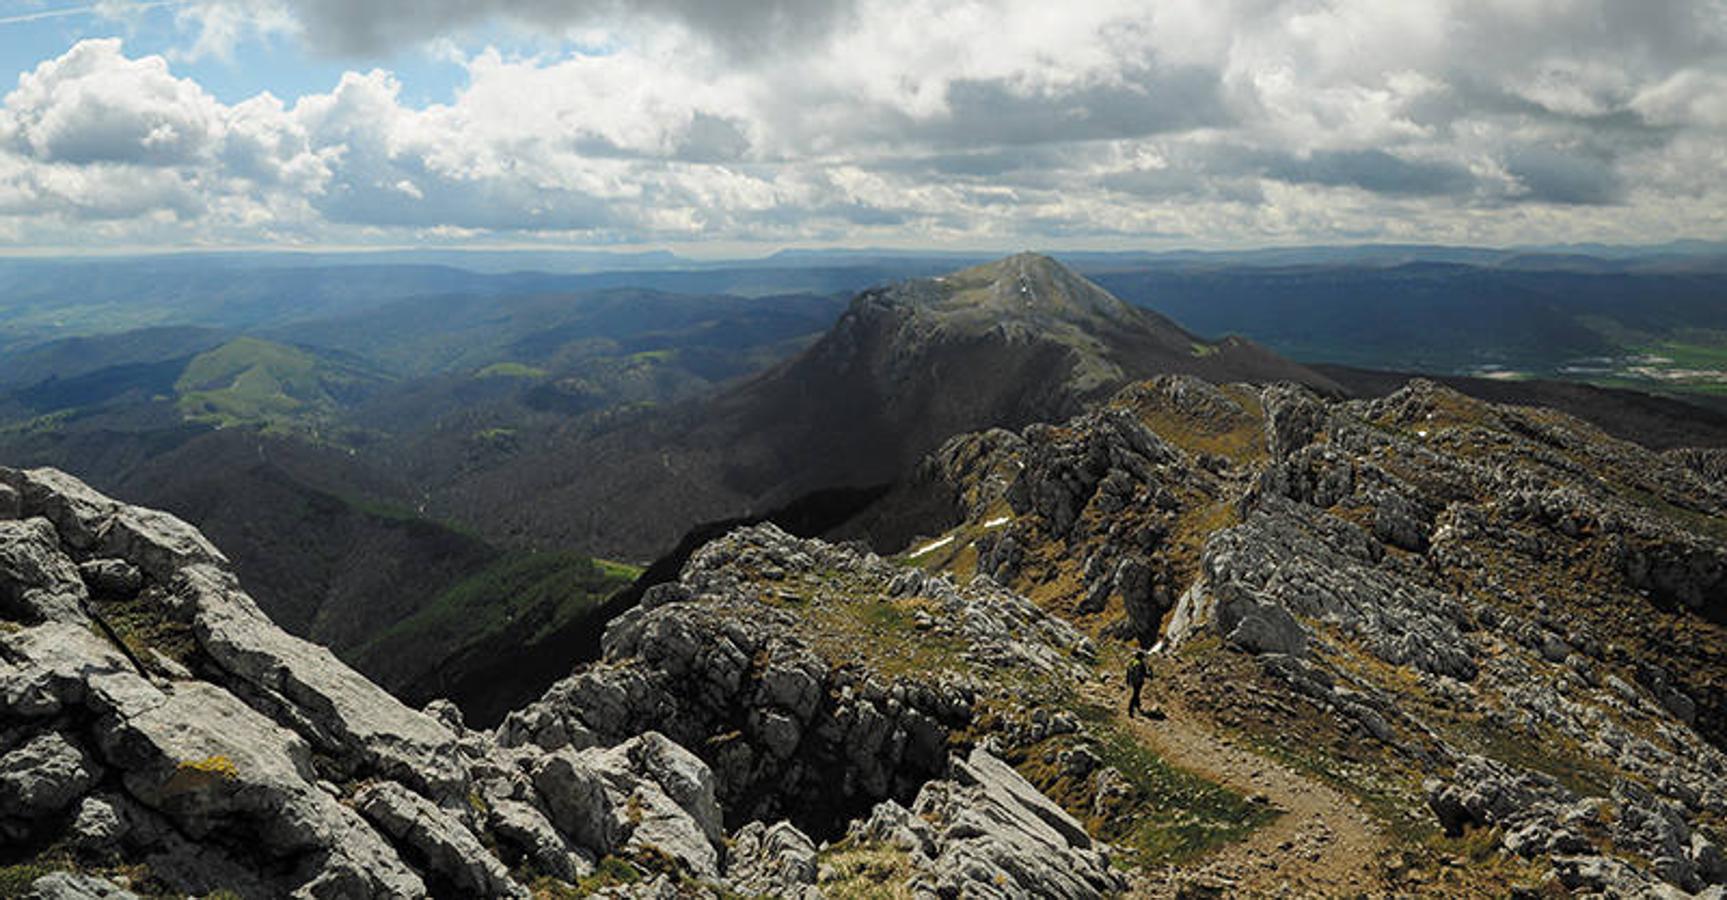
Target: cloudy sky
x,y
743,124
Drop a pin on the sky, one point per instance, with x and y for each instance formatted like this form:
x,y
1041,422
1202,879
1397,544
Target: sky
x,y
726,125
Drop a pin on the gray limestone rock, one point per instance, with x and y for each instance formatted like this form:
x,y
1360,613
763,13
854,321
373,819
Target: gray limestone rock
x,y
647,792
76,886
111,577
772,860
893,824
545,849
308,689
997,836
800,733
42,775
1293,418
451,852
1290,561
154,541
999,781
98,827
215,767
42,583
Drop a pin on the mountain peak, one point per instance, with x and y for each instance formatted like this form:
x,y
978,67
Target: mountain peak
x,y
1016,287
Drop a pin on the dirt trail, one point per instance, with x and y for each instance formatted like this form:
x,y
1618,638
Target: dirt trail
x,y
1323,845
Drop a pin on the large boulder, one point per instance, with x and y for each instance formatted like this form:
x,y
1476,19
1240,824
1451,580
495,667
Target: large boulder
x,y
643,795
41,583
646,794
218,769
346,715
41,775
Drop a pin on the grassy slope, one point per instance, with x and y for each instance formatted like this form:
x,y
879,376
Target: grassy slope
x,y
522,597
253,382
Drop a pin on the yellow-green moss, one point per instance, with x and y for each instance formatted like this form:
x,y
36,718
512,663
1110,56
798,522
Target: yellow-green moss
x,y
866,872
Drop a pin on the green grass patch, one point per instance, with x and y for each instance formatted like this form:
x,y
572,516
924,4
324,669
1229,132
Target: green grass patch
x,y
866,871
51,423
142,625
609,872
401,516
1549,753
884,632
1176,814
497,438
534,593
1699,351
619,569
510,370
252,382
15,881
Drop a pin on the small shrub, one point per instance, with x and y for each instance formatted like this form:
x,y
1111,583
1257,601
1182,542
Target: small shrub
x,y
15,881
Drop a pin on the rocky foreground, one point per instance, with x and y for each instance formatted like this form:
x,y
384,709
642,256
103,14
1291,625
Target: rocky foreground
x,y
161,736
1482,646
1497,627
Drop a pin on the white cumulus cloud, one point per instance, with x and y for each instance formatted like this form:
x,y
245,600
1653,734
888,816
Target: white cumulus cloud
x,y
902,121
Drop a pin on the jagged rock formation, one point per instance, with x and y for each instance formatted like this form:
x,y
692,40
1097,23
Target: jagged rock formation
x,y
752,659
159,731
989,834
1504,596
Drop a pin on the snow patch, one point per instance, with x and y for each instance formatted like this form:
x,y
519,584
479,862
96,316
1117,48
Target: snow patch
x,y
931,546
997,522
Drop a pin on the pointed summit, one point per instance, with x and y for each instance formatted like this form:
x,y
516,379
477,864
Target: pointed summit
x,y
1019,340
1025,286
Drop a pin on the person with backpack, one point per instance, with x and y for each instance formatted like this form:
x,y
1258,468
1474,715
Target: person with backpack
x,y
1137,674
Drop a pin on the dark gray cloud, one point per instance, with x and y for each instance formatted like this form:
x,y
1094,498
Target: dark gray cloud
x,y
366,28
1554,176
1184,184
1376,171
710,138
1146,100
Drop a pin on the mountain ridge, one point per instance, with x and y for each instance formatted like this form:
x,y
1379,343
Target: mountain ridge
x,y
906,367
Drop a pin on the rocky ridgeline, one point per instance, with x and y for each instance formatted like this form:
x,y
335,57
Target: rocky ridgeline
x,y
756,659
159,734
1447,579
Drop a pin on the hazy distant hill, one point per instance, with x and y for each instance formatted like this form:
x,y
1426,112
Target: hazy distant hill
x,y
310,448
1441,317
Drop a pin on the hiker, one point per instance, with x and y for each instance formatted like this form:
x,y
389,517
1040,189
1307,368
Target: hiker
x,y
1136,676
